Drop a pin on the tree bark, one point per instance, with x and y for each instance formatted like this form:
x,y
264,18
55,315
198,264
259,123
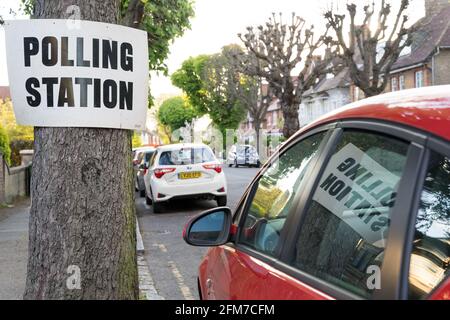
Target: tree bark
x,y
291,122
82,214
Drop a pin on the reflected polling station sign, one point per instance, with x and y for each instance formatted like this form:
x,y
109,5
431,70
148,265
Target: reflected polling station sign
x,y
360,192
92,75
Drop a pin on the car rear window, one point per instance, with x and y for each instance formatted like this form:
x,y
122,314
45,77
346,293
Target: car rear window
x,y
186,156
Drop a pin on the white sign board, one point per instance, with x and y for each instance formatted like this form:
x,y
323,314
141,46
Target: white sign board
x,y
91,75
360,192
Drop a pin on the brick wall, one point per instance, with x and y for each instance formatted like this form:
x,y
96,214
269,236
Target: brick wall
x,y
442,67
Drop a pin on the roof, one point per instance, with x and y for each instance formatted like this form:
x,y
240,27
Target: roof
x,y
432,32
4,92
427,109
341,80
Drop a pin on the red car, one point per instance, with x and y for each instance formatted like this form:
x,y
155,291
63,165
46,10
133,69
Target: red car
x,y
355,206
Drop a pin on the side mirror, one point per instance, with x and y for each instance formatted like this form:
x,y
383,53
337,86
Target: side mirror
x,y
210,228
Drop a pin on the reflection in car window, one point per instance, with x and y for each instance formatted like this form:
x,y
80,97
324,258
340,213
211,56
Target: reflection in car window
x,y
343,233
430,257
274,196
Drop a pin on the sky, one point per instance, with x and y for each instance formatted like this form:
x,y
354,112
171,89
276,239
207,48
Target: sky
x,y
216,24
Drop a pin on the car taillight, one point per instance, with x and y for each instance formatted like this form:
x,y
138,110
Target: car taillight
x,y
215,167
160,172
145,171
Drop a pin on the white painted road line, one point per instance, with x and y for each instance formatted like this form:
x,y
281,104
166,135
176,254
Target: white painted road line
x,y
180,280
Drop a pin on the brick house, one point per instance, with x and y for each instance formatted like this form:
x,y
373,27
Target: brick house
x,y
273,121
427,61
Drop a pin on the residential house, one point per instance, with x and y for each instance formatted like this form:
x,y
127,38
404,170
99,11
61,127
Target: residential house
x,y
427,61
273,121
331,92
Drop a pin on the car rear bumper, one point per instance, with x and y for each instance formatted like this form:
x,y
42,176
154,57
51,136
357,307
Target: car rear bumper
x,y
162,191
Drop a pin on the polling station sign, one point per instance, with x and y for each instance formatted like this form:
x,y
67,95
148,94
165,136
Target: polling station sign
x,y
91,75
360,192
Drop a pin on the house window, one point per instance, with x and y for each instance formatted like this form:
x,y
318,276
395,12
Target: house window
x,y
394,84
419,79
401,81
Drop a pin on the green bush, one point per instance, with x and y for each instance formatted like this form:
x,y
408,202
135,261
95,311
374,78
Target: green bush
x,y
16,146
4,145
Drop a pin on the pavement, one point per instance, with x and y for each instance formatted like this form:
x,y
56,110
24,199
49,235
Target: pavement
x,y
168,267
13,250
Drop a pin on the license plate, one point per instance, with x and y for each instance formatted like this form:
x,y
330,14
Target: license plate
x,y
189,175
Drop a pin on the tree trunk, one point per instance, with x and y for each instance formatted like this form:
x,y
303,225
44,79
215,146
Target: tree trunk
x,y
257,130
82,239
291,122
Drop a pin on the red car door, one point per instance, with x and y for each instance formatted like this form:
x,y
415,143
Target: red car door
x,y
231,273
236,275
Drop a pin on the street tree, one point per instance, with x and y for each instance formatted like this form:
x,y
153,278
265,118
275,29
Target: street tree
x,y
277,49
175,113
82,217
255,95
370,51
82,239
210,83
164,20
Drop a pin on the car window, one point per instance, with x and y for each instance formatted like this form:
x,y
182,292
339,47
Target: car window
x,y
343,232
430,257
148,156
153,158
186,156
274,195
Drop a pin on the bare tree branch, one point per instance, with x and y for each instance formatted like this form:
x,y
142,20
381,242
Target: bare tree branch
x,y
367,66
276,49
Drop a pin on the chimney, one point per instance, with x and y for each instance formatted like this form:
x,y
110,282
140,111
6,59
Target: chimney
x,y
433,7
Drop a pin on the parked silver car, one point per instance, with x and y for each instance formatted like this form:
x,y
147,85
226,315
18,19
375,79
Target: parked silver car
x,y
141,169
243,155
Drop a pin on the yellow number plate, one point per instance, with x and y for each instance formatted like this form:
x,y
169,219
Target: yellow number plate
x,y
189,175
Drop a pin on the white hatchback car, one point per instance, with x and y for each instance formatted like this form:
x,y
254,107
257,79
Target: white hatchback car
x,y
184,171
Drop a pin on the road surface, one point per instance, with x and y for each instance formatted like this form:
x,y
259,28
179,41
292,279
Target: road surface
x,y
173,264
